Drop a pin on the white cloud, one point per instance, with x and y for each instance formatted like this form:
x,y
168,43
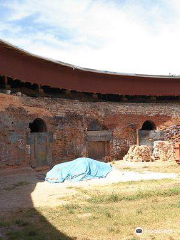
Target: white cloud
x,y
127,37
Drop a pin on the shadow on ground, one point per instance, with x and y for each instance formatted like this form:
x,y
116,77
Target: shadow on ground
x,y
19,219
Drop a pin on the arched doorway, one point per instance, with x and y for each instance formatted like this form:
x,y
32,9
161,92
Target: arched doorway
x,y
98,138
38,125
40,141
149,133
148,126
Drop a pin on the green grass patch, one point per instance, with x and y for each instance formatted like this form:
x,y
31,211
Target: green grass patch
x,y
21,222
117,197
71,206
4,224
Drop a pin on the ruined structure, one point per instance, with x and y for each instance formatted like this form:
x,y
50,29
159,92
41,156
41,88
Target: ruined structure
x,y
53,112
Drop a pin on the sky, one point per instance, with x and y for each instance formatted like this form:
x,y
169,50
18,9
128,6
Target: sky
x,y
126,36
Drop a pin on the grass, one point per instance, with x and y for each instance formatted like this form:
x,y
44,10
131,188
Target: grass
x,y
21,222
117,209
113,197
26,234
112,211
3,224
109,212
35,229
166,167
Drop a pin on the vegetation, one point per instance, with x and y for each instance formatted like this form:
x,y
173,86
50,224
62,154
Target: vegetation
x,y
106,212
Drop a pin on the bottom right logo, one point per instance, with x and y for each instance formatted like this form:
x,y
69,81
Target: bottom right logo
x,y
139,231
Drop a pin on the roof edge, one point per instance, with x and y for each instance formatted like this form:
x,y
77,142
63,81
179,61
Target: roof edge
x,y
18,49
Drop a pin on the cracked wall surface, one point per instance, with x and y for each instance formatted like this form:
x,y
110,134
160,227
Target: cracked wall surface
x,y
68,120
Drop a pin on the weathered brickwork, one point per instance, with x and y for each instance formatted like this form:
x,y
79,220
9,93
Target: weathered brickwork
x,y
68,120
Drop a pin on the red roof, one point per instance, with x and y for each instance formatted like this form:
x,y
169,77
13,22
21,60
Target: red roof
x,y
22,65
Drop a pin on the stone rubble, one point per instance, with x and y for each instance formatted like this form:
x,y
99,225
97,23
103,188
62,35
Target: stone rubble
x,y
163,150
172,134
138,154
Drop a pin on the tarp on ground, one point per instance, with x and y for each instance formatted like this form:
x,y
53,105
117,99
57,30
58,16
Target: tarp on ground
x,y
79,169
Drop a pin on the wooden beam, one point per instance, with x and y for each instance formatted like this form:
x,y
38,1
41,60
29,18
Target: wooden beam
x,y
5,80
6,86
68,91
124,99
153,98
95,96
39,88
137,137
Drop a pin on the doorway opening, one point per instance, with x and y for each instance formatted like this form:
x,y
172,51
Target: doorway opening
x,y
96,126
148,126
38,125
98,139
40,141
149,133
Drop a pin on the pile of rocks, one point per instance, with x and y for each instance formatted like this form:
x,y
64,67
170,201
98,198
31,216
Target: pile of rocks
x,y
172,133
163,150
138,154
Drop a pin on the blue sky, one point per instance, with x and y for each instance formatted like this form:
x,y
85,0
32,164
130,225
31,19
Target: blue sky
x,y
133,36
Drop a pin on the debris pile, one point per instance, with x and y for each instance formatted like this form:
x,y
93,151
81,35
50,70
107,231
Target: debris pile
x,y
172,133
138,154
163,150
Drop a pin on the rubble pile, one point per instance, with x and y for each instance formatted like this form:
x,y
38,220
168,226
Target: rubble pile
x,y
163,150
138,154
172,133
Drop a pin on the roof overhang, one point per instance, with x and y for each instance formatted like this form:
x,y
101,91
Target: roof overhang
x,y
27,67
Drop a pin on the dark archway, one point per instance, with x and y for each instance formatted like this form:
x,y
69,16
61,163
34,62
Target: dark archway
x,y
40,141
38,125
96,126
148,125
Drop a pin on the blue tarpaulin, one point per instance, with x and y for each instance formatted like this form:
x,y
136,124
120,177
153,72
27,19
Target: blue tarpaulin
x,y
78,170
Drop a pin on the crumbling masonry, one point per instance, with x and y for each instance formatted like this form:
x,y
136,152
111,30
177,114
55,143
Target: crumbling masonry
x,y
53,112
67,121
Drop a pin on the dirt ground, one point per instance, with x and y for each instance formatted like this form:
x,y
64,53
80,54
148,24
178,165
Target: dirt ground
x,y
29,205
24,188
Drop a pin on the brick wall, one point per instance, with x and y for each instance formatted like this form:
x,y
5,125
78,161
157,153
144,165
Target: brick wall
x,y
68,120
